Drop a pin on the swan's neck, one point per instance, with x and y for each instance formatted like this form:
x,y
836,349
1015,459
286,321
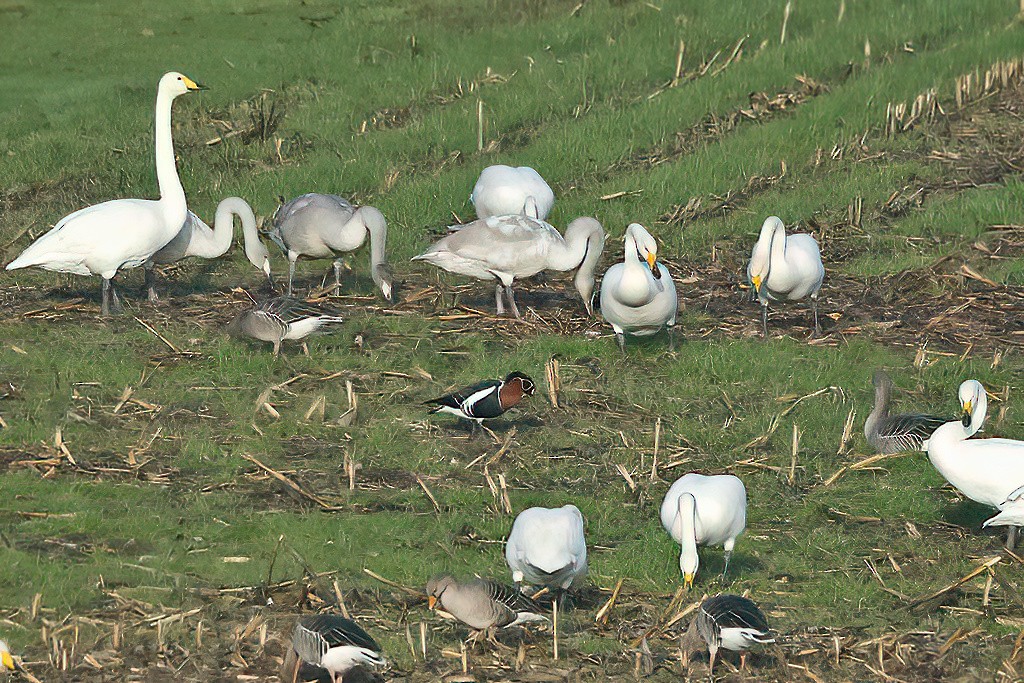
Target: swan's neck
x,y
634,285
777,253
941,446
978,413
172,195
223,228
688,558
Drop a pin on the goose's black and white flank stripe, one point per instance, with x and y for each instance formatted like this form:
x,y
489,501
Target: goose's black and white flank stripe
x,y
730,622
486,399
896,433
281,318
334,643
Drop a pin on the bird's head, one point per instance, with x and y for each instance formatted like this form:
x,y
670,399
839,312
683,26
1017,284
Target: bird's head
x,y
174,84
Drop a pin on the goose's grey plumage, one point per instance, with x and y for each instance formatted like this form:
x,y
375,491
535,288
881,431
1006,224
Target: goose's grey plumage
x,y
638,296
896,433
482,604
280,318
509,248
196,238
334,643
730,622
785,268
503,190
322,226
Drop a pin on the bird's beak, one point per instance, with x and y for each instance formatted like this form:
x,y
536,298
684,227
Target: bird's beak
x,y
965,419
192,85
756,280
431,601
7,661
687,581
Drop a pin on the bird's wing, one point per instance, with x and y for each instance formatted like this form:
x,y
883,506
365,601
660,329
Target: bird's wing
x,y
510,598
910,431
733,611
457,399
336,630
289,310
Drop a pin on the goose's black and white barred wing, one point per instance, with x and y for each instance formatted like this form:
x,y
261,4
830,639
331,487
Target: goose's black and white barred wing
x,y
467,398
288,310
729,612
908,432
511,598
315,635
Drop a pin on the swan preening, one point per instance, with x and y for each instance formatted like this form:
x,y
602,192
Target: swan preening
x,y
504,190
704,510
546,547
785,267
197,239
122,233
638,296
895,433
325,225
509,248
988,471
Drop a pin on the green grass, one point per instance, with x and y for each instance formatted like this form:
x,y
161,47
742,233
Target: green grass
x,y
570,95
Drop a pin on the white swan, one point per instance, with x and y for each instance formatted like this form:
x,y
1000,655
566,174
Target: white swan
x,y
988,471
785,267
197,239
547,548
324,226
508,248
123,233
637,298
503,190
704,510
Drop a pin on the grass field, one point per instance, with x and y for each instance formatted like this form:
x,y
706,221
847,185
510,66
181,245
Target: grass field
x,y
141,539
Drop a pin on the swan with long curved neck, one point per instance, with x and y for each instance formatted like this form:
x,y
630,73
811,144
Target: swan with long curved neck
x,y
197,239
785,267
638,297
988,471
325,225
509,248
122,233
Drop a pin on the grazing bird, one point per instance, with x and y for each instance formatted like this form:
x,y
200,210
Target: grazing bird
x,y
280,318
704,510
547,548
728,622
785,267
988,471
122,233
509,248
503,190
482,604
487,399
197,239
325,225
334,643
896,433
6,660
638,296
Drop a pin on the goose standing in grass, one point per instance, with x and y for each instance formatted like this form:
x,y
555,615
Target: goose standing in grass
x,y
785,267
280,318
547,548
322,226
482,604
509,248
503,190
122,233
638,296
988,471
704,510
485,400
197,239
334,643
6,660
896,433
728,622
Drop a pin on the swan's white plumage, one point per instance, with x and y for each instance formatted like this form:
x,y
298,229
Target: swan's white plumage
x,y
704,510
503,190
546,547
633,300
988,471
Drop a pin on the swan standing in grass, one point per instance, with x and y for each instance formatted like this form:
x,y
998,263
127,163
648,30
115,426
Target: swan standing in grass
x,y
508,248
504,190
547,548
325,225
123,233
197,239
988,471
638,298
785,267
896,433
704,510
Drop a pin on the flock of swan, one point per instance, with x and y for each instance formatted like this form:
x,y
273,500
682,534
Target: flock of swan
x,y
510,241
